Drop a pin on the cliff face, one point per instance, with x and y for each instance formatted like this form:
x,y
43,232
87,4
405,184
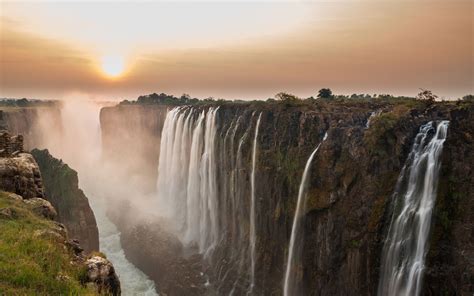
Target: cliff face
x,y
36,124
62,190
450,259
351,183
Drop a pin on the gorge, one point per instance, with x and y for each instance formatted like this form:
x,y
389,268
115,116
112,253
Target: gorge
x,y
262,198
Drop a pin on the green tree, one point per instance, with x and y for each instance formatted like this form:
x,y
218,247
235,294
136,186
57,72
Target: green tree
x,y
325,93
426,95
282,96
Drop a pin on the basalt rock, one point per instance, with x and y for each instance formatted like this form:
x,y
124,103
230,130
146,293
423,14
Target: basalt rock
x,y
350,186
62,190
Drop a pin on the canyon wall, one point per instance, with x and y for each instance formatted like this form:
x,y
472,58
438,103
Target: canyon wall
x,y
62,190
350,187
351,183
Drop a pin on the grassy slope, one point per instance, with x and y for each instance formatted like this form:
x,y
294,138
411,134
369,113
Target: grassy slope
x,y
32,264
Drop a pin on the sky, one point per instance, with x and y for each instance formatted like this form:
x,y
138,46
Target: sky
x,y
235,50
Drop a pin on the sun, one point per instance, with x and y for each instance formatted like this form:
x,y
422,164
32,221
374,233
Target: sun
x,y
112,65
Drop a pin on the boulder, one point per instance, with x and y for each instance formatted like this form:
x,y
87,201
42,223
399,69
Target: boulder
x,y
101,272
20,174
41,207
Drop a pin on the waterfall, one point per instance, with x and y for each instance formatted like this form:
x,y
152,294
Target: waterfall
x,y
187,176
253,237
372,115
206,188
404,252
289,282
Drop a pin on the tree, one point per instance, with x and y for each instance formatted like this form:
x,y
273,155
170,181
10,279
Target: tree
x,y
426,95
325,93
286,97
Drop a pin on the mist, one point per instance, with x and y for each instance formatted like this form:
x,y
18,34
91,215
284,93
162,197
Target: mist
x,y
72,132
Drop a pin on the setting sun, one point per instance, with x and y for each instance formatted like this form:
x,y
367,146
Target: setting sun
x,y
112,66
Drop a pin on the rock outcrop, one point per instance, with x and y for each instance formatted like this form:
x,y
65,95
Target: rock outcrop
x,y
19,172
62,190
32,229
101,272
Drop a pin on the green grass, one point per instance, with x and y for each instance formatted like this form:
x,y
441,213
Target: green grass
x,y
32,264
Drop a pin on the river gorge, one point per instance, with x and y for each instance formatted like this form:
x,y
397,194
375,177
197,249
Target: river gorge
x,y
321,197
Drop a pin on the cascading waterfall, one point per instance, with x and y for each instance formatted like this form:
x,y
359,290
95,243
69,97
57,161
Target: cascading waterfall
x,y
253,237
207,188
289,285
238,236
187,184
405,249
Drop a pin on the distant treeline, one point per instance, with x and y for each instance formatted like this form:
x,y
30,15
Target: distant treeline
x,y
8,102
323,94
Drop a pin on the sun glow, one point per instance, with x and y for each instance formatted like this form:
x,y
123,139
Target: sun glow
x,y
113,66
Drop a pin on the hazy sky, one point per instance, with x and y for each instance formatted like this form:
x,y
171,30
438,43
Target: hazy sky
x,y
235,49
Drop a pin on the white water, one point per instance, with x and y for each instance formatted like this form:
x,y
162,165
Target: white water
x,y
187,176
404,252
253,237
372,115
289,285
212,206
132,280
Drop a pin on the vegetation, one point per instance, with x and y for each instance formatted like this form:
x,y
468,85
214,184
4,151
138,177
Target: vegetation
x,y
32,263
325,93
427,95
283,96
163,99
5,102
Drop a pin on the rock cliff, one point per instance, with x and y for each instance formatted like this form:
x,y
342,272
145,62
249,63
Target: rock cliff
x,y
350,187
62,190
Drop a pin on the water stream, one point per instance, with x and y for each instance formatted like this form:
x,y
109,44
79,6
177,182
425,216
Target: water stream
x,y
404,252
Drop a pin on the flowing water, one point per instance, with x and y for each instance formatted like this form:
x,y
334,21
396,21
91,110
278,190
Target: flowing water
x,y
212,208
132,280
404,252
187,180
290,286
372,115
253,236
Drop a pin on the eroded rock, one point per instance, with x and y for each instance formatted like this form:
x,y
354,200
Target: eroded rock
x,y
101,272
41,207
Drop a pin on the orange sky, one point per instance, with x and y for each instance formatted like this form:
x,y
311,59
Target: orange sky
x,y
236,49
